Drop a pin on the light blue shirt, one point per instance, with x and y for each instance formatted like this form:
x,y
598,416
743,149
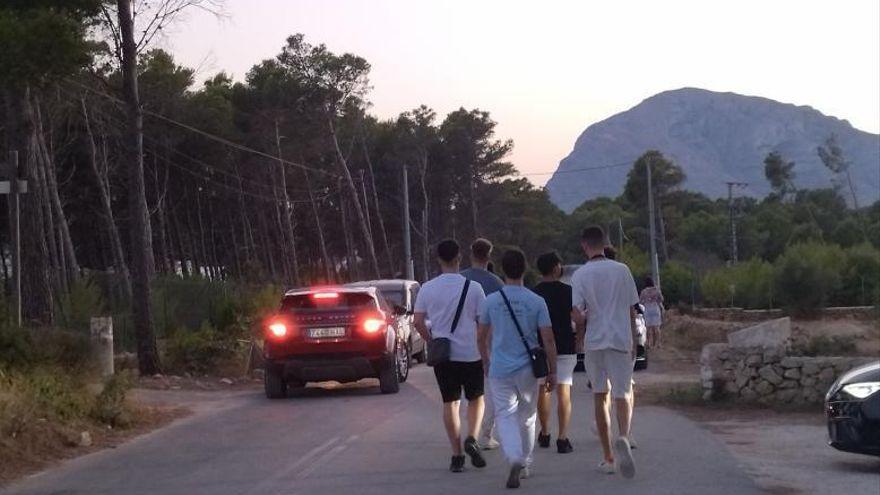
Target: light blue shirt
x,y
508,354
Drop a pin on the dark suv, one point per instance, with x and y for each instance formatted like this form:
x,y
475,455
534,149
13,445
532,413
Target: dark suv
x,y
339,334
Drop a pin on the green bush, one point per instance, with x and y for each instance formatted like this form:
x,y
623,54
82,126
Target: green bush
x,y
196,351
57,392
110,406
754,284
677,282
79,304
22,348
861,276
807,275
718,287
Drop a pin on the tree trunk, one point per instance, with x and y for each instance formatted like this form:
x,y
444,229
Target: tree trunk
x,y
379,218
139,221
104,195
322,244
350,256
65,243
36,288
288,222
426,246
353,196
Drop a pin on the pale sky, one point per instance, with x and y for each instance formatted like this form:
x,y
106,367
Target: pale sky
x,y
546,70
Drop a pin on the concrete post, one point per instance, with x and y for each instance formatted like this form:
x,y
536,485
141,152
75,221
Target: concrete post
x,y
102,343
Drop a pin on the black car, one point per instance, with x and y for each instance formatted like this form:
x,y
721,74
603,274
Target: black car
x,y
852,407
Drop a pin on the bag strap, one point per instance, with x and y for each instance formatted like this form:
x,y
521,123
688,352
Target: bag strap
x,y
516,322
464,290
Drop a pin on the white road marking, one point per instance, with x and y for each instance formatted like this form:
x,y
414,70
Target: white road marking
x,y
324,459
283,473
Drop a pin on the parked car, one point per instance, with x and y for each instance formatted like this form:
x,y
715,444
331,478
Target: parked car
x,y
341,334
852,408
401,294
641,346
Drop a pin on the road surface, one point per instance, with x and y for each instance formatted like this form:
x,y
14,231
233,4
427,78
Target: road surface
x,y
353,440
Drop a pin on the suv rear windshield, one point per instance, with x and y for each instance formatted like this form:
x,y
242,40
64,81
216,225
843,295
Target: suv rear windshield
x,y
343,300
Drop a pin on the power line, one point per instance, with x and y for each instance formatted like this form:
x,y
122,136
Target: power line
x,y
203,133
575,170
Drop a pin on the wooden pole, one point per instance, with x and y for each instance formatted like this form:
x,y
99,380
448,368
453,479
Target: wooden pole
x,y
15,236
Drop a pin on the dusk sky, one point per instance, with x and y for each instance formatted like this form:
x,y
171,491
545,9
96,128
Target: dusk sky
x,y
547,70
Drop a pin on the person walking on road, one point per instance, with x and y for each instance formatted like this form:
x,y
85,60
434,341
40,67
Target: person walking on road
x,y
451,302
652,299
510,322
605,291
557,295
481,253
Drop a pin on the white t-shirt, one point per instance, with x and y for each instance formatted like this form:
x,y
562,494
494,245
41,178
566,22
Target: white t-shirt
x,y
438,299
606,291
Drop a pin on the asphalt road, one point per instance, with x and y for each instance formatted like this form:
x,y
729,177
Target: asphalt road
x,y
353,440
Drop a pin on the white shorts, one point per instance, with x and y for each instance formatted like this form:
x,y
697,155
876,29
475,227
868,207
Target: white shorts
x,y
565,364
610,365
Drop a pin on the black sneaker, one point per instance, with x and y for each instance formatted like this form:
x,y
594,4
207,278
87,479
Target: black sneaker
x,y
472,449
543,440
457,464
513,477
564,446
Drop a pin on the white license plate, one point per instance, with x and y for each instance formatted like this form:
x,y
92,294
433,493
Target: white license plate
x,y
325,333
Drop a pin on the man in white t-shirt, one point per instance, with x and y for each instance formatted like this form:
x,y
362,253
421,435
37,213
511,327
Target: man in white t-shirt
x,y
438,301
605,291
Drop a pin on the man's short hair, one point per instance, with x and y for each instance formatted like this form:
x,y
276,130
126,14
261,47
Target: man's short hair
x,y
481,249
593,236
513,263
547,262
610,252
448,250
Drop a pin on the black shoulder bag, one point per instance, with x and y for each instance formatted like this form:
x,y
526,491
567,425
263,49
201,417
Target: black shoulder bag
x,y
537,355
440,349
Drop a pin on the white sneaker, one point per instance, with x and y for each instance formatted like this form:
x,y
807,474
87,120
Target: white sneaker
x,y
623,458
526,473
632,442
490,444
607,467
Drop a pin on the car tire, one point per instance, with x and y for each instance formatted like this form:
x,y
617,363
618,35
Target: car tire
x,y
422,356
389,382
404,362
274,383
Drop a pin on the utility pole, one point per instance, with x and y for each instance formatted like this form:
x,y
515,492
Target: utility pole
x,y
732,214
655,269
14,187
619,234
407,246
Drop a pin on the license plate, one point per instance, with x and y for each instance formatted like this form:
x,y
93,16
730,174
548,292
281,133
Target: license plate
x,y
326,333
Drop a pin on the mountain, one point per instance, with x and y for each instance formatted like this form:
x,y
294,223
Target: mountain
x,y
714,137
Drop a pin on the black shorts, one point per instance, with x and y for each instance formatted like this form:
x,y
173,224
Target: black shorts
x,y
453,376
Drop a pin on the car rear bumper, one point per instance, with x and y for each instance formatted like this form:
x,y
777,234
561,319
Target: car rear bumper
x,y
854,426
342,369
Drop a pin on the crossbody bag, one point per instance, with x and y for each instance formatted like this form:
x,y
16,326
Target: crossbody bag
x,y
537,355
440,348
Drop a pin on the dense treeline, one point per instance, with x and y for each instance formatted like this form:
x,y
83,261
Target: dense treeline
x,y
286,178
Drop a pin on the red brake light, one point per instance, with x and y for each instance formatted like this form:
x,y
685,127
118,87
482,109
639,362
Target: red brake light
x,y
325,295
278,329
373,325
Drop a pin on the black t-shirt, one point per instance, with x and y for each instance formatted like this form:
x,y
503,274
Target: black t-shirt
x,y
557,295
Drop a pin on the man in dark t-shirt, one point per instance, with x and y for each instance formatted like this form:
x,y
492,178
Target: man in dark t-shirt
x,y
557,295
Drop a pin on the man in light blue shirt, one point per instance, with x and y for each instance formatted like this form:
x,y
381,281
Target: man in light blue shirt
x,y
513,386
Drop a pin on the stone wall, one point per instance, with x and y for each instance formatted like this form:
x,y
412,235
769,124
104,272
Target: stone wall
x,y
768,375
754,366
758,315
